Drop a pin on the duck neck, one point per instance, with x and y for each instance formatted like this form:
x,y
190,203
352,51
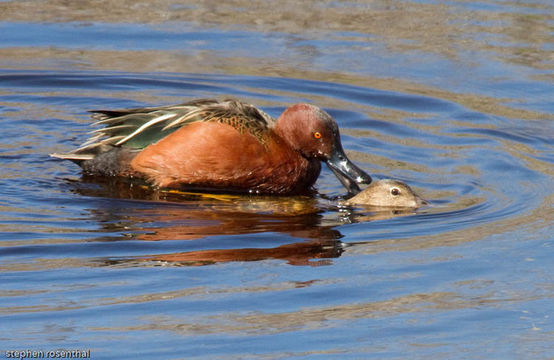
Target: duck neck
x,y
287,126
287,134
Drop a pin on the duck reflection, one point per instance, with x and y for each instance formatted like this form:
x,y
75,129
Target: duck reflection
x,y
156,215
175,215
301,253
349,215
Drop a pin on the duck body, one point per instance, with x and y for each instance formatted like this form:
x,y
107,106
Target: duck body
x,y
220,157
218,145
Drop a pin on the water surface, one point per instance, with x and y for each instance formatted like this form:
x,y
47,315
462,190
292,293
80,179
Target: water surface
x,y
455,99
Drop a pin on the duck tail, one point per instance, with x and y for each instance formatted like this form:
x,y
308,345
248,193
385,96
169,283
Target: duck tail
x,y
76,158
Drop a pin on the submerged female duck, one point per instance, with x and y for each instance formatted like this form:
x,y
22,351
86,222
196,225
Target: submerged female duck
x,y
222,145
387,193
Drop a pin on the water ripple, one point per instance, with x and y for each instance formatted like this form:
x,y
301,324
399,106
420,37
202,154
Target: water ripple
x,y
74,248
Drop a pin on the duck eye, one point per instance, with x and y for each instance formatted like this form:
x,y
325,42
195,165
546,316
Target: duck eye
x,y
317,135
395,191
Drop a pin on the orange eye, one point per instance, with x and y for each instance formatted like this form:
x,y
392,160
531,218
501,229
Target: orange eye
x,y
317,135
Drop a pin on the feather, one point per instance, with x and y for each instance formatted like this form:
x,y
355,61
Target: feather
x,y
139,127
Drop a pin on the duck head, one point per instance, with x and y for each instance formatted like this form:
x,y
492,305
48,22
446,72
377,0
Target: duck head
x,y
315,134
388,193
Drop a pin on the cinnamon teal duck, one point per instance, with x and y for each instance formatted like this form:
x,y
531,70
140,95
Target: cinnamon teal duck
x,y
224,145
387,193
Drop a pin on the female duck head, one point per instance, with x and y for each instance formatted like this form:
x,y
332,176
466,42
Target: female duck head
x,y
388,193
313,132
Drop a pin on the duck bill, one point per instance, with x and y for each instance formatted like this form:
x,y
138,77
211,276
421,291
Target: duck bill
x,y
421,202
349,174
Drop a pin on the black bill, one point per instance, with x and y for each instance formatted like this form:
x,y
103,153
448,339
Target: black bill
x,y
349,174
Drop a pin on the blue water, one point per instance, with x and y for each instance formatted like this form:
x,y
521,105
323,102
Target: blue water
x,y
142,273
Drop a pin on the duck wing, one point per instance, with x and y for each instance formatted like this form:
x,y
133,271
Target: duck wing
x,y
137,128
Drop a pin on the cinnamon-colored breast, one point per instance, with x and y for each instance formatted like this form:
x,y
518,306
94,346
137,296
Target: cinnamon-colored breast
x,y
216,155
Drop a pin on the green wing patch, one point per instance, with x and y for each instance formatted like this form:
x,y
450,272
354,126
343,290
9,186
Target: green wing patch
x,y
138,128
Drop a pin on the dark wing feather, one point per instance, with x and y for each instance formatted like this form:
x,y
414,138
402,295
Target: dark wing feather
x,y
140,127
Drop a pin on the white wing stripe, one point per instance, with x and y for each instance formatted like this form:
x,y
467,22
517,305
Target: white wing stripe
x,y
144,126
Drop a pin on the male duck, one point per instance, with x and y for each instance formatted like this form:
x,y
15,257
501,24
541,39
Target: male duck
x,y
218,145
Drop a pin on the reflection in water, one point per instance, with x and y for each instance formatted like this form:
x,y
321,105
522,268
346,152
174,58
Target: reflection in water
x,y
179,215
365,214
294,254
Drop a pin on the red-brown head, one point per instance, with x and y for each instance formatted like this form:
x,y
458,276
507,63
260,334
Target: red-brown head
x,y
315,135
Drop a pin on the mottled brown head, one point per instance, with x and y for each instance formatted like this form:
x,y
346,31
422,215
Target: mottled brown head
x,y
388,193
315,135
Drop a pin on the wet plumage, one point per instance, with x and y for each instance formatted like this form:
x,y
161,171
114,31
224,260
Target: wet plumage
x,y
387,193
